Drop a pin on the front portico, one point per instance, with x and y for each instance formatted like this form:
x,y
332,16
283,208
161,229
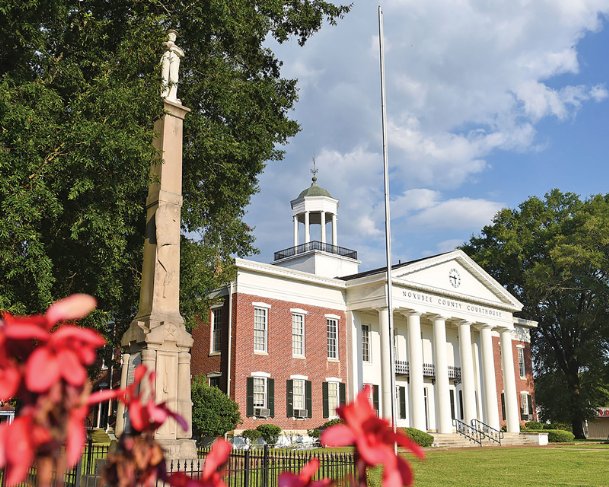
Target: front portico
x,y
449,318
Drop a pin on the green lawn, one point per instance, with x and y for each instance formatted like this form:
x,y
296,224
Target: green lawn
x,y
575,464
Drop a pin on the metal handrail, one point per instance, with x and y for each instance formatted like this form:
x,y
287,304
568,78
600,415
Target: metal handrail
x,y
454,373
402,367
487,431
468,431
315,245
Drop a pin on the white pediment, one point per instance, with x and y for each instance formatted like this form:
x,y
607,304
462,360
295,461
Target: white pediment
x,y
456,274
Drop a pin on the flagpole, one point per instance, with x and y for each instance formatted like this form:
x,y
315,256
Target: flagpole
x,y
387,221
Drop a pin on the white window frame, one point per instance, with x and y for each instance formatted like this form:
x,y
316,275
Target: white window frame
x,y
301,336
264,312
213,375
332,348
215,335
366,357
265,392
522,366
336,397
300,383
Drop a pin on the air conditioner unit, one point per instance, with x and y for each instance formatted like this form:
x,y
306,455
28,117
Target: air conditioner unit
x,y
301,413
262,412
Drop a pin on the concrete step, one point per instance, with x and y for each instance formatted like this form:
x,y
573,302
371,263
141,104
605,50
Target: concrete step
x,y
454,440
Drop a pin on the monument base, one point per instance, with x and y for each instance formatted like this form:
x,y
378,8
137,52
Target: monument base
x,y
179,450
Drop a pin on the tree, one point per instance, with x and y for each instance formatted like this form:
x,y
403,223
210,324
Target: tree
x,y
79,91
553,255
213,412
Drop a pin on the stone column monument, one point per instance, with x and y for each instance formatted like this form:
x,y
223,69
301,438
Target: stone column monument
x,y
157,337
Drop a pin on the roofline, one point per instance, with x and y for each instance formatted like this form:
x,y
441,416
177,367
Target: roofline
x,y
277,271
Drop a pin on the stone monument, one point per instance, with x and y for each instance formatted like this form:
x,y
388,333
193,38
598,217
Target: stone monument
x,y
157,337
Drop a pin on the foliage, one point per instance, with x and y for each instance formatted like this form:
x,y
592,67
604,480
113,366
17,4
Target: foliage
x,y
251,435
79,91
213,412
421,438
557,426
553,255
270,433
315,432
554,435
533,425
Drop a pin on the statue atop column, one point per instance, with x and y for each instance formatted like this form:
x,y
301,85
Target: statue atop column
x,y
170,67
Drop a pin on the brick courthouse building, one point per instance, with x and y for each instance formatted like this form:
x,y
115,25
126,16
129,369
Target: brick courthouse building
x,y
293,339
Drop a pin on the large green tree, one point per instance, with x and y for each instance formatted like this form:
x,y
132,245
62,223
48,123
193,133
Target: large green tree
x,y
553,255
79,91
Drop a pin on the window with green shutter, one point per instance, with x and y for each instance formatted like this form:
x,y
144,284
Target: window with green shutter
x,y
402,395
288,399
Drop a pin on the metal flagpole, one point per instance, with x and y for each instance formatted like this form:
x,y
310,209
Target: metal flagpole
x,y
387,221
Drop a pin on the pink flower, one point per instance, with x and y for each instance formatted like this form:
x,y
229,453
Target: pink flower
x,y
373,438
213,470
304,478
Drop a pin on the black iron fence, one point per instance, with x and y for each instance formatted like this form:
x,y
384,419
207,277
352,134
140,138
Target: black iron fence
x,y
261,467
84,474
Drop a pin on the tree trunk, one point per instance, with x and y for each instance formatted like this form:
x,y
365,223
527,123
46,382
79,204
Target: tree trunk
x,y
577,408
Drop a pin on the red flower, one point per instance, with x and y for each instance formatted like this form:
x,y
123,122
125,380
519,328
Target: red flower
x,y
374,438
304,478
213,470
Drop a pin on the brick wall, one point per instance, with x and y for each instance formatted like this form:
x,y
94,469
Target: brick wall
x,y
279,362
203,361
525,384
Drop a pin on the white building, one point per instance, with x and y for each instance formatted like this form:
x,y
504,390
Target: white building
x,y
311,321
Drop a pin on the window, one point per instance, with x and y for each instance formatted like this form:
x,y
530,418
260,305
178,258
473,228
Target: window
x,y
259,392
260,396
333,395
402,401
366,343
526,406
260,329
521,364
298,398
332,329
297,334
216,318
214,381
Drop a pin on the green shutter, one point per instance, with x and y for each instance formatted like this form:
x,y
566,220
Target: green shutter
x,y
324,394
249,395
270,386
309,398
503,406
375,397
289,398
402,391
342,394
530,408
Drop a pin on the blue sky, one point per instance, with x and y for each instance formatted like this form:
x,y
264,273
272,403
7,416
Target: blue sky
x,y
488,104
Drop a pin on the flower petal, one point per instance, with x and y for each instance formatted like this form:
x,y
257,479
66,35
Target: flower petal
x,y
42,370
308,471
71,369
20,454
71,308
337,435
289,479
216,458
137,415
26,331
10,377
105,395
405,471
76,435
407,442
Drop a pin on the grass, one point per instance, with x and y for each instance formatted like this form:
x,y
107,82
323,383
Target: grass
x,y
566,465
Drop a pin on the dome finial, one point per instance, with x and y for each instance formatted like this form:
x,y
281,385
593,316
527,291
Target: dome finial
x,y
314,173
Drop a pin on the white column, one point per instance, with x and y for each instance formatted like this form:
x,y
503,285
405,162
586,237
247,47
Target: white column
x,y
443,416
386,392
509,381
323,227
295,218
491,407
415,364
120,409
307,230
467,371
184,391
334,230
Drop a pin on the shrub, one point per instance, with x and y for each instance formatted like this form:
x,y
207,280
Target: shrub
x,y
270,433
420,437
558,426
533,425
316,432
213,412
251,435
559,436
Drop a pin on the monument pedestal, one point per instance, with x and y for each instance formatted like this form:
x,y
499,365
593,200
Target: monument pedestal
x,y
157,337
